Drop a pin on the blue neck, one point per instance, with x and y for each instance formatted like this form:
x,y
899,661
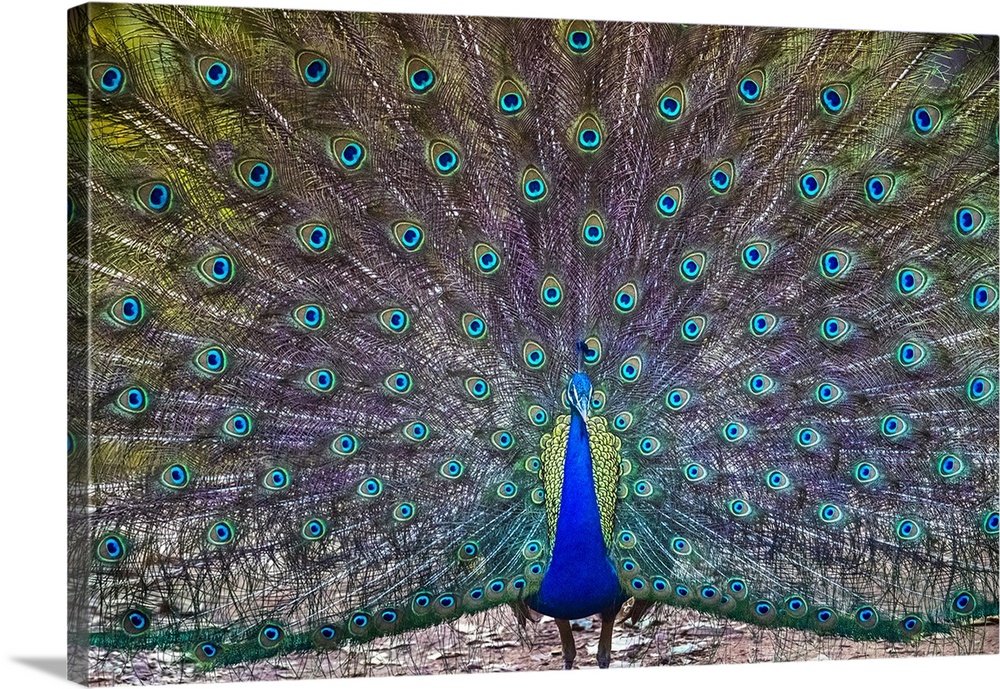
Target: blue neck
x,y
581,579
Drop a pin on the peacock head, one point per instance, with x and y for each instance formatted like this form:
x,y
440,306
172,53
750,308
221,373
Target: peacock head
x,y
578,393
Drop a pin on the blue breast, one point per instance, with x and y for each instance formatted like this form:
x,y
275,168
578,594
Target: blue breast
x,y
581,579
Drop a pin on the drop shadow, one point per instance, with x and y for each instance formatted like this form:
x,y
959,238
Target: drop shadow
x,y
55,666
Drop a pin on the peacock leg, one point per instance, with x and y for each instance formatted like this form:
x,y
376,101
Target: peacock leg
x,y
568,643
604,643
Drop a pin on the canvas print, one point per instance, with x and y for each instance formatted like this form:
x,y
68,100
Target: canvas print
x,y
416,344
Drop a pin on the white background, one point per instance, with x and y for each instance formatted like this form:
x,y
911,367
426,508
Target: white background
x,y
32,333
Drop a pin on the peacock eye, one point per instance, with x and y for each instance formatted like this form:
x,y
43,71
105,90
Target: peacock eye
x,y
510,98
907,530
991,523
416,431
671,103
215,73
358,625
835,98
721,178
826,618
648,445
754,255
579,37
911,625
597,400
592,351
314,529
175,476
474,326
108,78
751,86
409,235
502,440
776,480
734,431
452,469
866,617
983,297
533,185
593,230
980,389
630,369
969,220
893,426
830,513
315,237
642,488
623,421
370,488
909,281
807,438
588,134
443,157
277,479
211,360
813,183
950,466
154,196
310,316
677,398
313,68
910,354
828,393
764,611
762,323
865,473
468,551
833,264
270,636
926,119
760,384
834,329
533,464
796,606
344,445
394,320
133,400
128,310
135,622
681,546
321,380
740,508
534,355
551,292
532,550
256,174
326,636
669,202
399,382
111,548
220,533
487,259
964,603
217,269
206,652
693,328
626,298
350,153
238,425
420,76
404,512
507,490
537,415
692,265
695,472
477,387
878,187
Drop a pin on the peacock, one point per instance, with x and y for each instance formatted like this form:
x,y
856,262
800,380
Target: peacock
x,y
380,322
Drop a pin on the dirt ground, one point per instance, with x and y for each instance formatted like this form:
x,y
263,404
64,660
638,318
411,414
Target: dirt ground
x,y
494,643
